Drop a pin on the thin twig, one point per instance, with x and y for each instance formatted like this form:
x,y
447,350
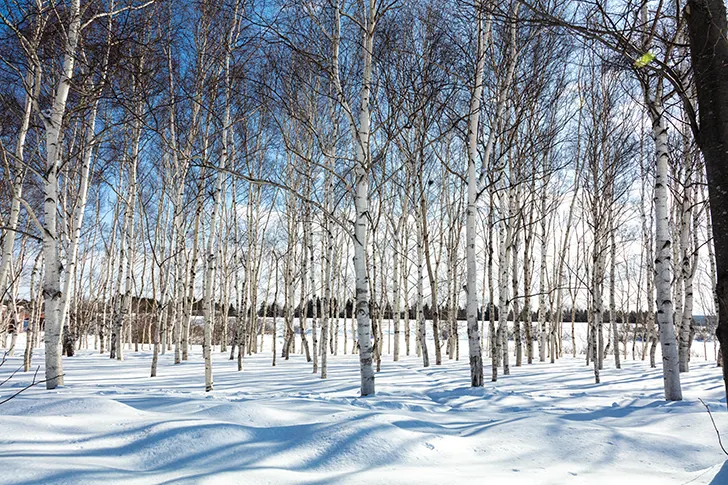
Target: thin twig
x,y
11,375
34,383
714,426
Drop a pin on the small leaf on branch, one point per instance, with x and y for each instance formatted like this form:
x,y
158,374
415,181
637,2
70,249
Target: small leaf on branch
x,y
644,59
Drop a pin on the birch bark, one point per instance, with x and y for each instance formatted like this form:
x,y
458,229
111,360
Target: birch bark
x,y
663,259
474,348
52,280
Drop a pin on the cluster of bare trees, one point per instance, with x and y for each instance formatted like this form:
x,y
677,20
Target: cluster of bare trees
x,y
371,167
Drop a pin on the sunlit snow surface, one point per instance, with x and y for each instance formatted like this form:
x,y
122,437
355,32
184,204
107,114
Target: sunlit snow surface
x,y
543,424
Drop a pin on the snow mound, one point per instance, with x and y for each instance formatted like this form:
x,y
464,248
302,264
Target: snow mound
x,y
544,424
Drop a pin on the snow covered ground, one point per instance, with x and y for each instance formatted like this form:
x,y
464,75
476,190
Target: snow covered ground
x,y
543,424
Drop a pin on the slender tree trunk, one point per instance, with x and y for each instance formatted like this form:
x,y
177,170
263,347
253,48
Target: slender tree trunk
x,y
395,290
421,328
514,282
208,308
314,309
327,265
32,325
612,281
542,343
474,348
33,85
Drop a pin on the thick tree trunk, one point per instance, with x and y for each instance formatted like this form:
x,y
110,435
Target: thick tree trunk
x,y
52,279
361,206
364,327
663,263
708,30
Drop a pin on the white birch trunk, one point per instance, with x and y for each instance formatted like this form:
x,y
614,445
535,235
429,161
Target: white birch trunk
x,y
612,290
474,347
327,264
52,279
421,329
35,313
314,316
6,255
542,334
395,292
362,167
504,253
686,274
364,328
663,270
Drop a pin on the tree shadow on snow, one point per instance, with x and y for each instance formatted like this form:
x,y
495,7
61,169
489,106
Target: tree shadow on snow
x,y
722,477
